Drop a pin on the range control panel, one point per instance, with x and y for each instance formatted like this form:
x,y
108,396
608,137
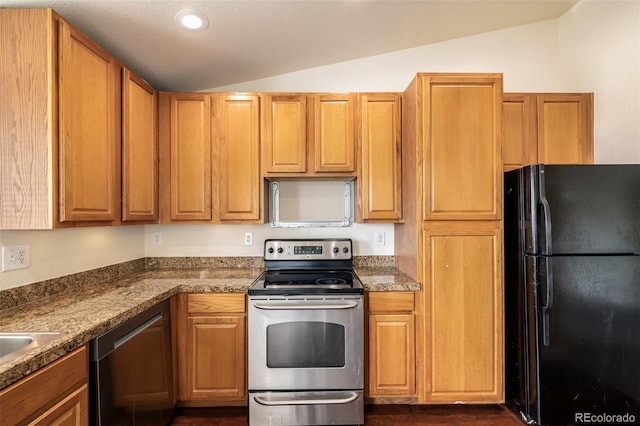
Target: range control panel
x,y
321,249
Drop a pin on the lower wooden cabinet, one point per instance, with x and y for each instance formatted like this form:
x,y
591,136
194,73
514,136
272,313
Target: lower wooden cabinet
x,y
54,395
210,337
391,347
463,311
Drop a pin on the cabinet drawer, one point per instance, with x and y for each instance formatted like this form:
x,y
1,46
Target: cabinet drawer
x,y
391,301
44,388
216,303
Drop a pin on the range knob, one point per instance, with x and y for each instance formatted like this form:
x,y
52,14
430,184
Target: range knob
x,y
270,249
345,249
336,250
280,249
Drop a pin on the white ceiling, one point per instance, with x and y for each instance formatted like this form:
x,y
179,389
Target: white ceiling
x,y
248,40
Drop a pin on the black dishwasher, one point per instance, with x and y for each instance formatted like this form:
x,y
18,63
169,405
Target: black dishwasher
x,y
131,378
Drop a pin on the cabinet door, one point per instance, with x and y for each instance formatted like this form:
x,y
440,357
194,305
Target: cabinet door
x,y
89,132
380,181
237,176
392,370
139,149
462,131
284,122
186,156
71,411
334,137
216,367
463,311
519,142
565,128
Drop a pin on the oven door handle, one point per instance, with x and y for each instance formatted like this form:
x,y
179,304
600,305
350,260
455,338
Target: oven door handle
x,y
273,402
282,307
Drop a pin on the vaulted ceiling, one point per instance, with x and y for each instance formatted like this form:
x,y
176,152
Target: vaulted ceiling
x,y
248,40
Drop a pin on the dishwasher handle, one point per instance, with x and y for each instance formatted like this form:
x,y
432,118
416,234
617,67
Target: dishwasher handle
x,y
139,329
108,342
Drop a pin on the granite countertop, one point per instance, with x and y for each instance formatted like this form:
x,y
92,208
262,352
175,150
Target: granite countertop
x,y
83,312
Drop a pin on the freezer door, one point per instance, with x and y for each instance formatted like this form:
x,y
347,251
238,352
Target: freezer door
x,y
589,360
582,209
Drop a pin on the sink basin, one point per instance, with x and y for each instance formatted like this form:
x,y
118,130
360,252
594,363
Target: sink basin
x,y
15,345
9,344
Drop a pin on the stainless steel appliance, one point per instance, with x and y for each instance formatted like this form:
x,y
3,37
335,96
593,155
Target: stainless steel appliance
x,y
131,379
572,293
306,336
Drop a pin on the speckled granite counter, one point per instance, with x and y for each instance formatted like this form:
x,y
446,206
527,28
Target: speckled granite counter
x,y
85,305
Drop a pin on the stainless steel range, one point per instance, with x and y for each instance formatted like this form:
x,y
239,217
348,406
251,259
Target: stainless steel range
x,y
306,336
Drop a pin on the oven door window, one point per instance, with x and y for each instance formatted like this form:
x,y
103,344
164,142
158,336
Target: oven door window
x,y
305,344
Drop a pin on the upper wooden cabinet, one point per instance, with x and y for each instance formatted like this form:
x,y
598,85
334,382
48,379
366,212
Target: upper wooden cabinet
x,y
550,128
60,124
237,179
185,157
459,123
209,158
308,134
139,149
89,120
284,133
380,176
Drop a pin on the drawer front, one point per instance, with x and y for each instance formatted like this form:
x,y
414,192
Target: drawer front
x,y
391,301
216,303
42,389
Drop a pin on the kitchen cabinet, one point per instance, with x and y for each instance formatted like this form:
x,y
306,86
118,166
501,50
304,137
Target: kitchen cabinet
x,y
236,151
56,394
210,338
463,277
61,153
451,237
139,149
550,128
391,347
462,149
380,176
308,134
185,157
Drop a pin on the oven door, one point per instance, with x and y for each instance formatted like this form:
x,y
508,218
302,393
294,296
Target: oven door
x,y
305,343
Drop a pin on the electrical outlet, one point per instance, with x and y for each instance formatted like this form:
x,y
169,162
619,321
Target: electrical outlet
x,y
15,257
156,237
248,239
380,238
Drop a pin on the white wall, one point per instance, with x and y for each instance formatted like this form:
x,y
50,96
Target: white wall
x,y
599,46
527,55
593,47
62,252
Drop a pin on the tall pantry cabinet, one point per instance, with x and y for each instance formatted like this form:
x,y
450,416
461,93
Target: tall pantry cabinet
x,y
451,240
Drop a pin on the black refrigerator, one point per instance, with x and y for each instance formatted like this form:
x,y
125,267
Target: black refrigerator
x,y
572,293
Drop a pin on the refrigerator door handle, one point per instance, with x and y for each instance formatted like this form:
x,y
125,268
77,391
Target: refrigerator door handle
x,y
545,212
548,303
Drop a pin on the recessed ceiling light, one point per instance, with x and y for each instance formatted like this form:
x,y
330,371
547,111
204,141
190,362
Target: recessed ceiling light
x,y
192,20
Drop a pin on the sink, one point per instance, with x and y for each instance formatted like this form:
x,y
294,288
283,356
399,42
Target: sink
x,y
9,344
15,345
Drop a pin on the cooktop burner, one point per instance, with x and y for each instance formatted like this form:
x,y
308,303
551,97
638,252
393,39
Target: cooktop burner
x,y
306,282
298,267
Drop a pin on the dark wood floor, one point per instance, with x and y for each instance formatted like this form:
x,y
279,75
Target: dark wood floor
x,y
378,415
